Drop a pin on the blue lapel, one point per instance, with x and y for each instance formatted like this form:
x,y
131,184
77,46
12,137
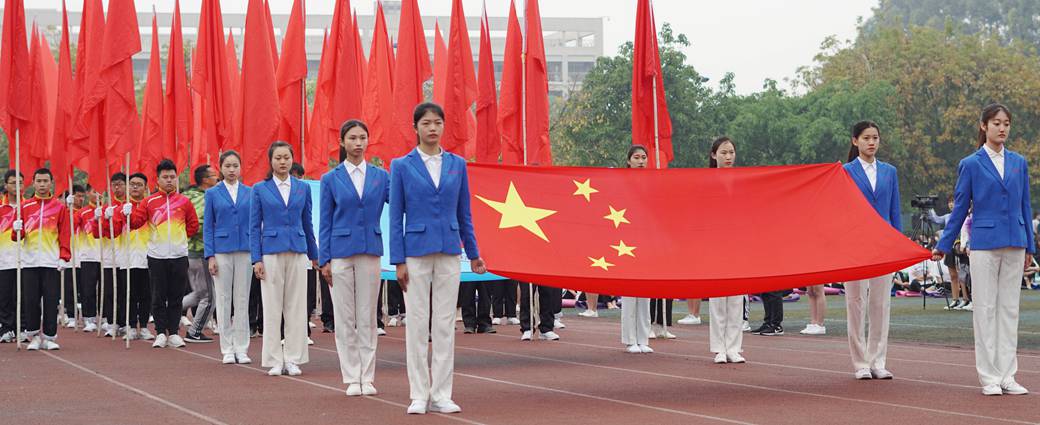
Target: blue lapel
x,y
295,191
227,194
370,178
989,166
344,179
420,168
273,188
860,177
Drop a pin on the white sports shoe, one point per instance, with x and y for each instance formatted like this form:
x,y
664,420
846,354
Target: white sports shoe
x,y
720,358
228,359
50,345
645,349
589,313
353,390
549,336
70,323
526,336
160,341
380,331
393,322
690,320
513,321
496,321
185,322
634,349
89,326
243,358
445,406
368,389
292,369
557,324
418,407
146,334
275,371
176,341
746,327
813,329
34,344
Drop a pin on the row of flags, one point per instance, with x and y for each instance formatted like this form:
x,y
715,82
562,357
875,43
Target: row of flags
x,y
85,115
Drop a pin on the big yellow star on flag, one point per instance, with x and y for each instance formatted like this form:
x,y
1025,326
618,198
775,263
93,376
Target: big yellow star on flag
x,y
617,216
516,214
585,189
601,263
623,249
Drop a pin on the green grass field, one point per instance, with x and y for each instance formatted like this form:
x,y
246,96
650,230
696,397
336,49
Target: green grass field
x,y
910,323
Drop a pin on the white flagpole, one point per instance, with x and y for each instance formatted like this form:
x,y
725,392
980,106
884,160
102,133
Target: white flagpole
x,y
73,231
126,251
523,136
18,238
101,270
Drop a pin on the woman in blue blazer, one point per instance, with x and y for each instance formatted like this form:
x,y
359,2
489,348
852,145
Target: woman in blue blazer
x,y
225,237
281,240
351,243
430,187
871,298
994,183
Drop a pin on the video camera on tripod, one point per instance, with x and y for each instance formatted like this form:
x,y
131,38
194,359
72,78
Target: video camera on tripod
x,y
924,202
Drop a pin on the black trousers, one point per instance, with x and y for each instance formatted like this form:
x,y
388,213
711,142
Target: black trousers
x,y
87,286
394,298
169,279
140,298
503,298
476,304
68,299
256,306
312,298
105,294
773,303
8,294
661,311
545,306
40,285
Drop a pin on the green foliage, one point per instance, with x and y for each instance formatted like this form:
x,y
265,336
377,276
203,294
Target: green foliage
x,y
1011,21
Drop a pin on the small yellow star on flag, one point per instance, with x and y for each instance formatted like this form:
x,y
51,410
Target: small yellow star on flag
x,y
516,214
585,189
623,249
601,263
617,217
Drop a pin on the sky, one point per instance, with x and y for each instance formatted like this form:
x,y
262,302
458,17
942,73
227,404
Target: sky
x,y
754,39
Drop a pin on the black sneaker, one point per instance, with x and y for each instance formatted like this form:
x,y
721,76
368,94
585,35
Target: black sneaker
x,y
760,329
486,330
196,338
469,330
773,331
328,328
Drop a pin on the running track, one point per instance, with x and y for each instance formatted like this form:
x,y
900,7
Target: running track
x,y
583,378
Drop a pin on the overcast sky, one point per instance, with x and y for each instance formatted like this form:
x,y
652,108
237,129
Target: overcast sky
x,y
755,39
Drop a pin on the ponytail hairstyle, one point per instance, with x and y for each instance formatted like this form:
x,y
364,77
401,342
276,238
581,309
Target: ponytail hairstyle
x,y
712,163
420,110
343,133
270,155
632,151
988,113
857,130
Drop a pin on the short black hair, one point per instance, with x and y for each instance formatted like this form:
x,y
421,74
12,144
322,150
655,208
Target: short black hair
x,y
165,165
201,172
139,176
11,173
45,171
118,177
423,108
78,189
297,169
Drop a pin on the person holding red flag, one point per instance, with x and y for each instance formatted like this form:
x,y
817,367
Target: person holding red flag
x,y
431,187
45,253
726,332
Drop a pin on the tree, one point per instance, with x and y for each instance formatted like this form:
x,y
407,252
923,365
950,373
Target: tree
x,y
1010,21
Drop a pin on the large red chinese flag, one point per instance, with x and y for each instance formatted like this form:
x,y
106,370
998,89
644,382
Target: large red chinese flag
x,y
411,71
210,82
62,151
510,106
646,70
488,140
599,230
378,104
258,110
291,74
14,75
539,150
316,152
150,150
460,84
177,128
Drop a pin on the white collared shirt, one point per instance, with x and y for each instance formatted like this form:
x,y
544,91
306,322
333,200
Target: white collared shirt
x,y
433,165
232,188
357,176
997,158
870,168
284,187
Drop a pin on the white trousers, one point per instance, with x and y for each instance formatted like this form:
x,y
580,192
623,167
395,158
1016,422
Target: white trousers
x,y
996,279
868,299
726,327
234,276
433,282
355,294
284,294
635,321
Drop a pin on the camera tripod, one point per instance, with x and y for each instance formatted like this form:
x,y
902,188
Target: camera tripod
x,y
923,225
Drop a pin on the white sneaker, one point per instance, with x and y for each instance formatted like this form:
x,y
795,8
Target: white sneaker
x,y
160,341
589,313
513,321
243,358
690,320
496,321
665,334
145,334
549,336
1013,388
310,341
864,374
70,323
445,406
645,349
131,334
814,329
7,337
968,307
311,324
34,344
368,389
353,390
526,336
881,373
955,305
110,331
634,349
228,359
90,326
176,341
557,324
292,369
720,358
50,345
992,390
393,322
418,407
746,327
185,322
275,371
380,331
735,358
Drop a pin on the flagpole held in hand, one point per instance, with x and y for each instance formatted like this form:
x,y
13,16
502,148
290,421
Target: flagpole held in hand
x,y
18,238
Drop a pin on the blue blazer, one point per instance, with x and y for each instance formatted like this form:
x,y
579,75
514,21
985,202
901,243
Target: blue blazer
x,y
275,227
439,219
885,197
349,224
1002,216
226,227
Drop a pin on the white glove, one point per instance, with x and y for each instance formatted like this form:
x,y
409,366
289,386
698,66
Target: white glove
x,y
127,209
63,265
109,211
69,200
99,212
17,226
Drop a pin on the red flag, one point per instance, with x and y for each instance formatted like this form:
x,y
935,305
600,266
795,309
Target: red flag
x,y
359,50
210,81
510,106
88,131
343,83
440,65
291,75
539,150
65,108
50,88
269,25
316,151
378,104
488,140
460,84
411,70
35,139
588,229
646,70
14,74
150,150
235,79
177,125
258,109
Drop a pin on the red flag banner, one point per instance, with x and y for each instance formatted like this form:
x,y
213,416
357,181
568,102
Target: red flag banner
x,y
698,233
646,72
